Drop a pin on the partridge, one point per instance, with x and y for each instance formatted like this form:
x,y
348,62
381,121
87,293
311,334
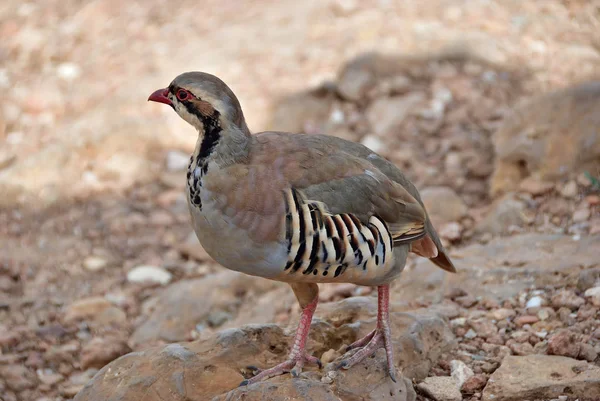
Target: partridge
x,y
302,209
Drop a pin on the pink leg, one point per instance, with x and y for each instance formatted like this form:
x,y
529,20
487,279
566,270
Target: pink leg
x,y
378,338
298,356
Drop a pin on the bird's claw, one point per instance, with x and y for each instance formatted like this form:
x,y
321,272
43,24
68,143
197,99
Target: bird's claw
x,y
293,365
378,338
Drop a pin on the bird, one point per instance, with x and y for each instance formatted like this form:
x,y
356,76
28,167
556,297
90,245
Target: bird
x,y
304,209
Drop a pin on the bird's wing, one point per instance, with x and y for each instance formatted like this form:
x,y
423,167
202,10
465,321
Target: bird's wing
x,y
429,246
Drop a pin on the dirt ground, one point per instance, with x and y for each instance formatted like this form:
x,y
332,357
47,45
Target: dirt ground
x,y
92,180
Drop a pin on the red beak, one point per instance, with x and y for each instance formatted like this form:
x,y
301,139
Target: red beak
x,y
160,96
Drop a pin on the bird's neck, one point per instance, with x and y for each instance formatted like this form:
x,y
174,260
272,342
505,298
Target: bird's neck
x,y
224,143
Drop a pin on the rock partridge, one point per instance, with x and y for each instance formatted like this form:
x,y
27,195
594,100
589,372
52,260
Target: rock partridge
x,y
302,209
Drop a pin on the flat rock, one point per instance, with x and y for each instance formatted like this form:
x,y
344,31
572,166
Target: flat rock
x,y
549,137
496,269
96,309
212,368
503,214
543,377
386,114
443,204
441,388
185,305
99,351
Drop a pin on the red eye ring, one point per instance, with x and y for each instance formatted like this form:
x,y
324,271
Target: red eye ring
x,y
183,95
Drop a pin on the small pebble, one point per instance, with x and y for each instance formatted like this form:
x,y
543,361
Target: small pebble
x,y
458,322
470,334
534,302
374,143
328,356
68,71
149,274
94,263
594,295
543,314
569,190
460,371
502,313
526,319
581,215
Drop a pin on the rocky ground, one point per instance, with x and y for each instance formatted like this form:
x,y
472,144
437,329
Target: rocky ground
x,y
97,262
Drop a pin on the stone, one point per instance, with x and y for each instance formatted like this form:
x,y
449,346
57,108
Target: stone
x,y
386,114
291,389
149,274
587,352
68,71
182,306
374,143
542,377
504,213
356,78
451,231
97,309
581,215
594,295
328,356
535,187
526,319
443,204
564,343
470,334
49,377
484,327
502,313
94,263
568,299
534,302
440,388
569,190
521,348
545,313
82,378
460,372
494,270
474,384
218,363
588,278
100,351
548,146
17,377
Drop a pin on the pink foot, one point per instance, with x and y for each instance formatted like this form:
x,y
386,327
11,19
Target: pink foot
x,y
298,356
378,338
293,365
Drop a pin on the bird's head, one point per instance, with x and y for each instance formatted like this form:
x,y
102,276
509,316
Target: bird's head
x,y
202,100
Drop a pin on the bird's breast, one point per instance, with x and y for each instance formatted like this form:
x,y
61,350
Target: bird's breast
x,y
230,245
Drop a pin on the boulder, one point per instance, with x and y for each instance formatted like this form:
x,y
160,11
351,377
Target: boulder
x,y
549,137
536,377
212,368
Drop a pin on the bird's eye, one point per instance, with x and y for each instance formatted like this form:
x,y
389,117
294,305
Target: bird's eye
x,y
182,95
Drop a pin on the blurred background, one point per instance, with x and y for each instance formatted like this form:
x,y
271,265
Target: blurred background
x,y
491,107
